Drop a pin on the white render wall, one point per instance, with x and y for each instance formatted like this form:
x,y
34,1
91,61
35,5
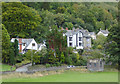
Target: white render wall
x,y
33,47
74,40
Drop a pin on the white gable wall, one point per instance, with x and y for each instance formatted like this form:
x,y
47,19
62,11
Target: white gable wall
x,y
33,47
74,40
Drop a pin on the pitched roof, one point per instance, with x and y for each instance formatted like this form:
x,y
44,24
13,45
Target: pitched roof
x,y
105,31
24,40
75,31
92,33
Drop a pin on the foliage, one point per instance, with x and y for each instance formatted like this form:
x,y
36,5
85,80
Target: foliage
x,y
96,54
47,65
51,57
19,18
12,54
62,60
22,63
100,41
113,46
5,45
80,51
16,50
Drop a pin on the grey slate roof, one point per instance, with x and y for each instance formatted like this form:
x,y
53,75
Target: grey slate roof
x,y
27,42
24,40
92,33
105,31
75,31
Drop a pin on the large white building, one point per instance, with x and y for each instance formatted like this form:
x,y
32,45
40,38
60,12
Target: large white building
x,y
78,38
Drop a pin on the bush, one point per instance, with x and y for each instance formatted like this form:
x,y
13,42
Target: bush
x,y
22,63
99,47
48,65
68,60
58,64
80,51
74,58
78,63
19,58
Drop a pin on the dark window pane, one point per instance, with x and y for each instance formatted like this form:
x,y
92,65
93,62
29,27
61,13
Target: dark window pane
x,y
33,44
70,38
80,39
94,64
80,44
70,44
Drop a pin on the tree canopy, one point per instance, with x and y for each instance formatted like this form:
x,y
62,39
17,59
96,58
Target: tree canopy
x,y
19,19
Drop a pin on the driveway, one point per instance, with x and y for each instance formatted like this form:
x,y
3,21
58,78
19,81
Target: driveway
x,y
23,68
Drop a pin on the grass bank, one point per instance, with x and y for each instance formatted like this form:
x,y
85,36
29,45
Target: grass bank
x,y
63,76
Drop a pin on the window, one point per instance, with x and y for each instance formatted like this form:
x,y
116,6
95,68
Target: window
x,y
70,44
70,38
33,44
80,44
23,44
90,64
94,64
100,63
80,39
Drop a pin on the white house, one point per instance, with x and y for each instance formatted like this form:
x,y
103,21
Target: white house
x,y
78,38
103,32
41,45
26,44
93,35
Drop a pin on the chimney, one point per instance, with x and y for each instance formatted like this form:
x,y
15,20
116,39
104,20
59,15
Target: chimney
x,y
20,45
66,28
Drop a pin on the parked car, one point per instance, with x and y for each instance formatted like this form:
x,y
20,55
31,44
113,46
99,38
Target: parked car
x,y
70,66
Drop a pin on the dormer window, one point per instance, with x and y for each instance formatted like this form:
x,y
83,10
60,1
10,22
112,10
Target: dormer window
x,y
33,44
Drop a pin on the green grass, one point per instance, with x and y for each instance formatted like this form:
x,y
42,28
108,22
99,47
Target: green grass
x,y
6,67
71,76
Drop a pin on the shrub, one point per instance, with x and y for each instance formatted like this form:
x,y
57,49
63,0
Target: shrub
x,y
58,64
74,58
48,65
68,60
78,63
80,51
99,47
22,63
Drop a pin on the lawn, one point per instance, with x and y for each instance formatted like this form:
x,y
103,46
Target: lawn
x,y
70,76
6,67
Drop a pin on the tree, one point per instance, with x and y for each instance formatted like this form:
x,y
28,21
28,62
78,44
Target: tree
x,y
69,25
100,41
19,19
16,50
96,54
60,10
62,60
12,54
113,45
5,45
